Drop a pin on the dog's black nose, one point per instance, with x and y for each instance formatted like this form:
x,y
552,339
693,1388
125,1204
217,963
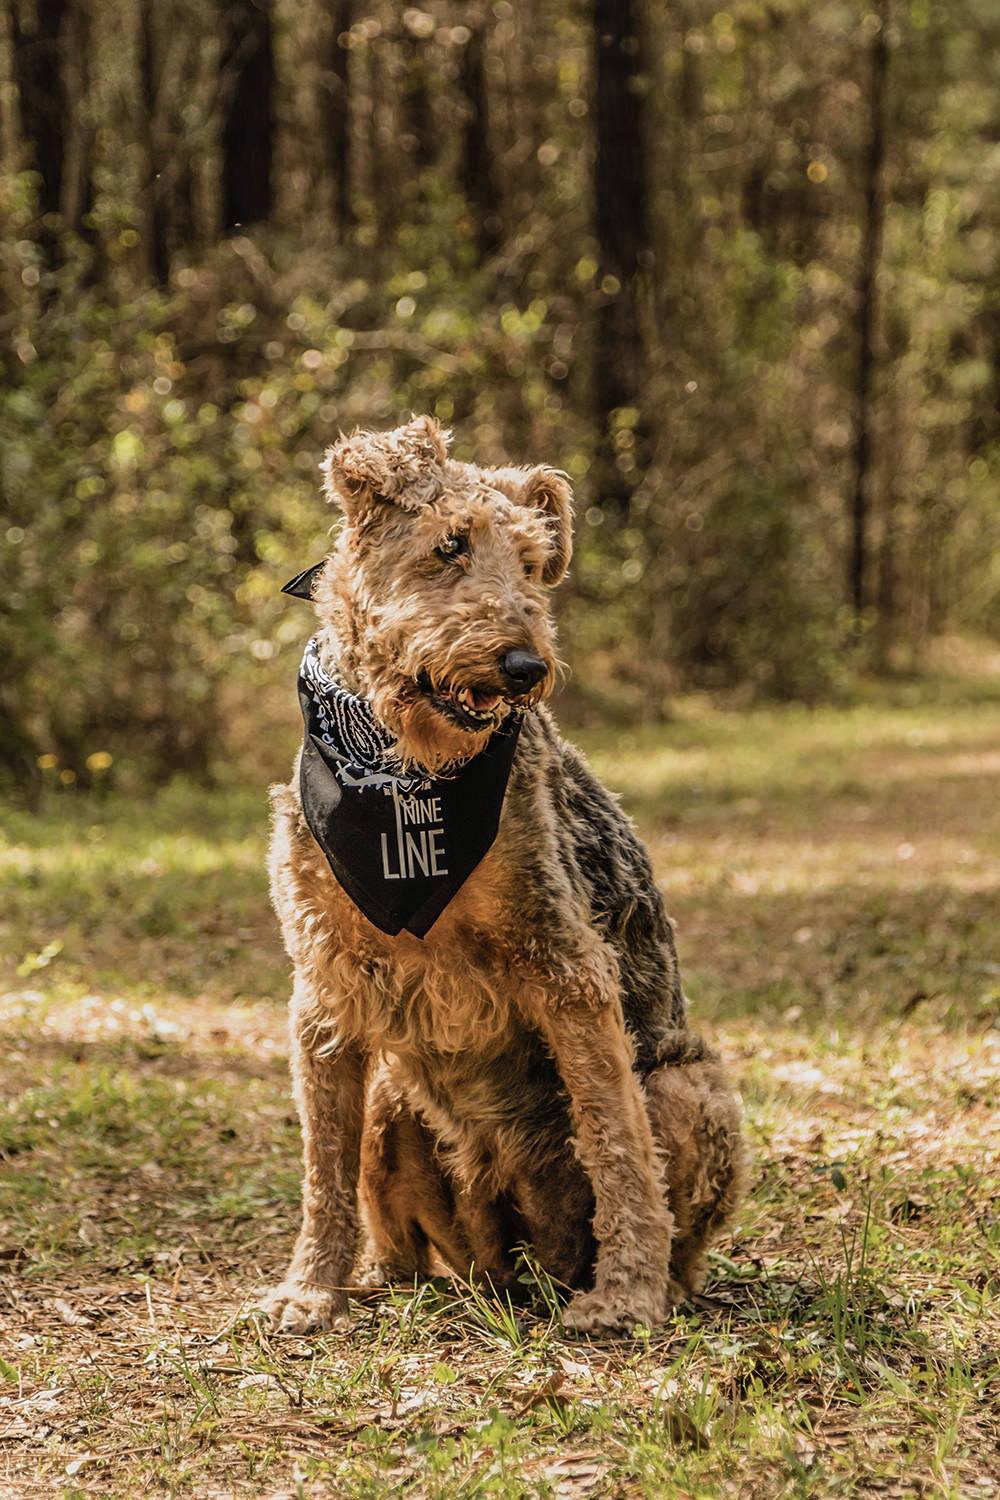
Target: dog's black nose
x,y
522,669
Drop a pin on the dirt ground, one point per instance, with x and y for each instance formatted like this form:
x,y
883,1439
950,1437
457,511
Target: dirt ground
x,y
835,877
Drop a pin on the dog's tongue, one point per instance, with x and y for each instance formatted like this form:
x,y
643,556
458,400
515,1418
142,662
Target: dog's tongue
x,y
482,699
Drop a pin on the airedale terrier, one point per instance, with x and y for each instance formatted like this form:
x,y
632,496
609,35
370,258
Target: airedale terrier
x,y
490,1040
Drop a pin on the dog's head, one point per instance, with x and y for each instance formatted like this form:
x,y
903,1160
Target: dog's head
x,y
437,591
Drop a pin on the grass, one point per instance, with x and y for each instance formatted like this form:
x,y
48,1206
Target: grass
x,y
834,875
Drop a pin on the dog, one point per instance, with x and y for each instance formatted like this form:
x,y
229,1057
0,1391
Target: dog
x,y
490,1043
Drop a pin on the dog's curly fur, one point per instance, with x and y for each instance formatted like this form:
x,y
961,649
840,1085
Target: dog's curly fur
x,y
525,1073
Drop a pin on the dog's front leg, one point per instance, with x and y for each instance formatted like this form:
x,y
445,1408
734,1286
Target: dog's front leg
x,y
330,1095
632,1224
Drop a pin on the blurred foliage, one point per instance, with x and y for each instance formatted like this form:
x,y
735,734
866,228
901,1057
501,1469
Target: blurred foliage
x,y
160,430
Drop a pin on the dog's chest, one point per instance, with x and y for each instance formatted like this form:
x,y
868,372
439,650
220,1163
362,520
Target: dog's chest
x,y
459,990
451,993
428,1004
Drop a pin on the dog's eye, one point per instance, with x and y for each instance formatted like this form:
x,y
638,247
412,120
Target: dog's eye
x,y
453,547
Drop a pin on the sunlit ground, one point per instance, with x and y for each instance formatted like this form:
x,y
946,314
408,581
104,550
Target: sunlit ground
x,y
834,875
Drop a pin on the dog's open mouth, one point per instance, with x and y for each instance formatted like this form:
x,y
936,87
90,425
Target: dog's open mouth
x,y
474,708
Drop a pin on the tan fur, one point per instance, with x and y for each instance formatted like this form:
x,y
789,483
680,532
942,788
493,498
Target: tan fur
x,y
481,1087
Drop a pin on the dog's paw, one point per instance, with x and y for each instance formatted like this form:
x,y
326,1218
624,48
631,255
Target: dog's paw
x,y
382,1275
372,1275
300,1307
615,1312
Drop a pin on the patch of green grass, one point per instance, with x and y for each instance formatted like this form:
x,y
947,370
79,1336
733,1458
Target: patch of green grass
x,y
167,896
834,875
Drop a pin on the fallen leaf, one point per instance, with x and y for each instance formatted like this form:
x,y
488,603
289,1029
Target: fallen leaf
x,y
547,1391
76,1464
69,1314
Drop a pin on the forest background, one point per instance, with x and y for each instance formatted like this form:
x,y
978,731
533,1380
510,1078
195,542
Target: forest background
x,y
735,270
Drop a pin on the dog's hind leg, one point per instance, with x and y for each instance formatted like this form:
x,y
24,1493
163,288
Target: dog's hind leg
x,y
695,1119
408,1202
414,1206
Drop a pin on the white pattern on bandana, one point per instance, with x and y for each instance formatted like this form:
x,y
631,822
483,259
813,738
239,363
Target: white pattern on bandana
x,y
347,725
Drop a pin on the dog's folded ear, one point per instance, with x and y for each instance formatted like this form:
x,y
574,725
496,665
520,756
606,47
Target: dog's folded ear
x,y
549,490
404,466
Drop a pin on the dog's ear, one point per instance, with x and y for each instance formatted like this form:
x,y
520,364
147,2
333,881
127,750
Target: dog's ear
x,y
404,466
548,490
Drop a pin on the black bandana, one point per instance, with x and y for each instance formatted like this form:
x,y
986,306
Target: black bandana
x,y
401,844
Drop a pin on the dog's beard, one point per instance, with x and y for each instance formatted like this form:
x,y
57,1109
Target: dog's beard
x,y
436,726
426,736
443,708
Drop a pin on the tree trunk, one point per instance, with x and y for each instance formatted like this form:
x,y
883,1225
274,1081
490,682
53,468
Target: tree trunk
x,y
183,206
338,116
417,138
621,224
871,244
476,172
383,164
154,204
77,192
37,47
247,69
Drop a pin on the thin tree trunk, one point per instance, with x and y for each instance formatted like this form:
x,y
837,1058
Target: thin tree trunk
x,y
476,172
416,104
874,213
338,116
520,107
621,223
183,204
247,68
887,592
38,72
157,248
77,193
382,163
